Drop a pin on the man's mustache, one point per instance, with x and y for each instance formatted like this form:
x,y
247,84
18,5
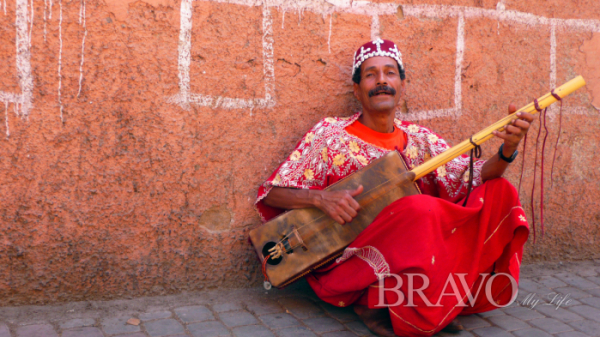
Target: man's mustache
x,y
382,89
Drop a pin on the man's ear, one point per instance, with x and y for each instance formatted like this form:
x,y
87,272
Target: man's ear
x,y
356,89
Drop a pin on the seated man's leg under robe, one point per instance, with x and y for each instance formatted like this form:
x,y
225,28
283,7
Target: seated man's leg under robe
x,y
422,239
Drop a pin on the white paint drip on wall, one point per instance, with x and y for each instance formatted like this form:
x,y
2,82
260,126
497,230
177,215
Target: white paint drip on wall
x,y
45,13
31,24
329,37
50,10
6,119
184,98
60,59
4,7
23,64
460,51
553,107
82,22
375,27
282,19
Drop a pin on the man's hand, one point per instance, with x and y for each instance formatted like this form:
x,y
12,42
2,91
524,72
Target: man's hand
x,y
514,132
512,135
339,205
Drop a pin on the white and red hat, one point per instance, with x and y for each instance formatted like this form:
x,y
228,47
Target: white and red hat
x,y
378,47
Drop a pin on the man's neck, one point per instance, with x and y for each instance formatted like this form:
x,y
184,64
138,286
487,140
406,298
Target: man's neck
x,y
380,122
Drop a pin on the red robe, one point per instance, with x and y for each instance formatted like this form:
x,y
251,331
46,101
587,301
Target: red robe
x,y
431,234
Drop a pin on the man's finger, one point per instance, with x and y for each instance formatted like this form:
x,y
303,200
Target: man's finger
x,y
349,210
510,129
354,204
511,108
357,191
525,116
345,216
521,124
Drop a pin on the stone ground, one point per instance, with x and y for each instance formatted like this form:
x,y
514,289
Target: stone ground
x,y
296,311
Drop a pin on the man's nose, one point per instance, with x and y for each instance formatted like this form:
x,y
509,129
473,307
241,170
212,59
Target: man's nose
x,y
381,78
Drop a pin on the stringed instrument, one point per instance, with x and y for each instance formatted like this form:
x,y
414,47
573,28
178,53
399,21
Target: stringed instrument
x,y
302,240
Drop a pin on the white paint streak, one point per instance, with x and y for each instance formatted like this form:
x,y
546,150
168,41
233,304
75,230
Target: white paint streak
x,y
6,119
60,60
45,10
329,37
460,50
552,112
50,11
23,64
82,21
374,27
4,7
31,24
184,98
282,19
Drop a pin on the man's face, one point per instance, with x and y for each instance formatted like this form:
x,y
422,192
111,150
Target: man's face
x,y
380,87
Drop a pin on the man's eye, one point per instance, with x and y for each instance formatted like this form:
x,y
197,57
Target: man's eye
x,y
369,75
391,73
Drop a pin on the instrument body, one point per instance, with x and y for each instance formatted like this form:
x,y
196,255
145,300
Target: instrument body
x,y
315,238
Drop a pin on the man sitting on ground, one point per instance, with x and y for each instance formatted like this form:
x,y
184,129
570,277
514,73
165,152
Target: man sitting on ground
x,y
453,249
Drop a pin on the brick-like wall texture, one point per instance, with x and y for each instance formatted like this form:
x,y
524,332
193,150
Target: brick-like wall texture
x,y
134,134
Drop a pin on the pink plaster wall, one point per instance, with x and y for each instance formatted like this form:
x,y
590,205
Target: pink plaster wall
x,y
119,178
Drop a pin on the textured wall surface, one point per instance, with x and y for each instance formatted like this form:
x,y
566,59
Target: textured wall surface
x,y
134,134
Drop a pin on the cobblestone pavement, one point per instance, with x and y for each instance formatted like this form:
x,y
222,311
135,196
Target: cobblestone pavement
x,y
296,312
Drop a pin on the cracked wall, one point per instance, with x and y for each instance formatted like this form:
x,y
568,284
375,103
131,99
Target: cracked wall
x,y
125,179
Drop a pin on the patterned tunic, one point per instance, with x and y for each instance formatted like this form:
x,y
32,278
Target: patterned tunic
x,y
327,153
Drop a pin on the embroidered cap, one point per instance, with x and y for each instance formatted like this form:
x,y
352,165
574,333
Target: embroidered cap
x,y
378,47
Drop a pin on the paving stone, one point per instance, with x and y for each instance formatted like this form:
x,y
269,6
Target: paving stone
x,y
550,282
227,306
577,281
252,331
237,318
323,324
463,333
587,312
593,301
301,307
360,328
572,292
533,287
343,315
572,334
83,332
594,279
531,333
135,334
77,323
150,316
163,327
589,327
491,313
263,308
587,272
196,313
278,321
297,331
339,334
550,325
118,325
36,330
594,292
472,322
491,332
523,313
508,323
208,329
560,314
4,332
